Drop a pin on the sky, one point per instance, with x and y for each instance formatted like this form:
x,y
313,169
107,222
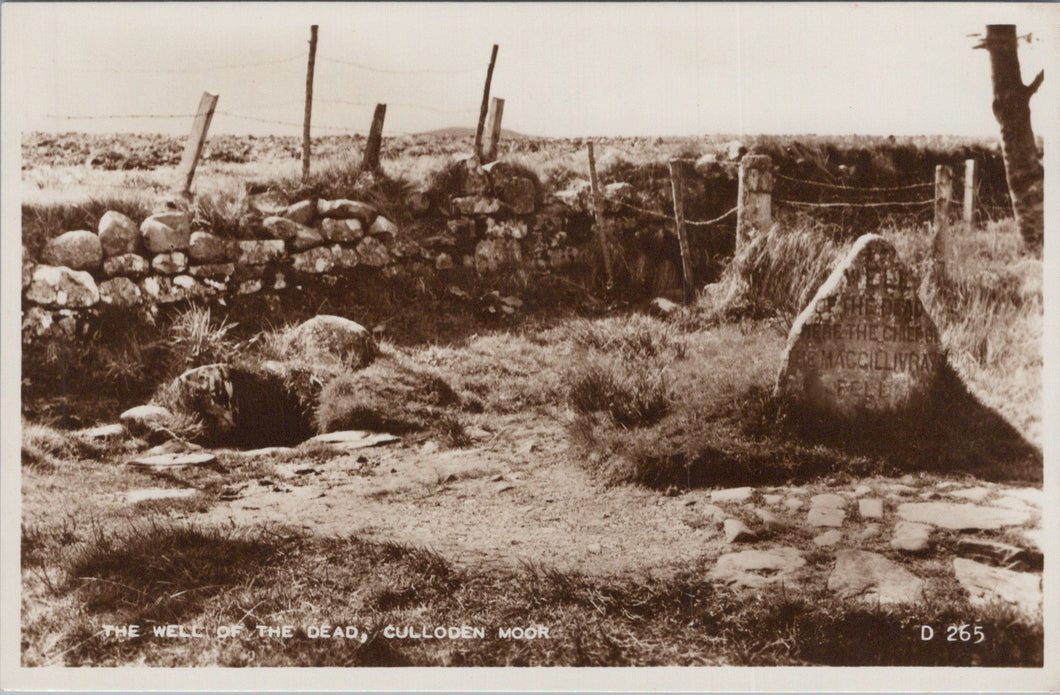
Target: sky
x,y
563,69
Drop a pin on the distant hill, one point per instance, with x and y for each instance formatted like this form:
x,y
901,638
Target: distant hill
x,y
462,132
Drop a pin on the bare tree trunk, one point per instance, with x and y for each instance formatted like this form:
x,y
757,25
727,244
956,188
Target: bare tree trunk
x,y
1023,166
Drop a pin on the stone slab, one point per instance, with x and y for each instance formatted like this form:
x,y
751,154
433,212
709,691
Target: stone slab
x,y
873,578
174,460
962,517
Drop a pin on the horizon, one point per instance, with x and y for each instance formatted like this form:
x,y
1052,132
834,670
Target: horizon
x,y
564,70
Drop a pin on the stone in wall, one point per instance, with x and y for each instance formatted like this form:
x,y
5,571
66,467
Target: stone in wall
x,y
118,234
864,344
512,187
260,252
418,203
305,238
61,286
372,252
579,197
167,290
344,256
444,261
160,237
346,210
130,265
38,322
317,260
281,228
268,203
348,231
80,250
512,229
120,292
213,271
209,248
170,263
383,227
301,212
496,255
478,205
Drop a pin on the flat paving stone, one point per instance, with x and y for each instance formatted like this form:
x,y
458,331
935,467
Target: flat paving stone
x,y
911,537
174,460
972,494
870,508
986,584
735,494
353,439
828,500
828,538
873,578
757,568
962,516
825,516
737,531
999,554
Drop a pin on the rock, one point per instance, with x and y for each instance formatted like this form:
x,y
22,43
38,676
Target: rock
x,y
828,500
1030,495
80,250
734,494
205,248
60,286
1009,502
126,265
281,228
383,227
870,531
497,255
260,252
213,271
986,584
478,205
873,578
353,439
706,165
772,499
962,517
145,419
347,210
828,539
735,151
1000,554
862,490
103,432
444,261
268,203
159,237
513,229
870,508
825,516
305,238
757,568
318,260
169,290
207,392
974,494
118,234
793,504
344,257
578,197
158,493
911,537
660,306
864,344
517,192
169,263
332,338
347,231
174,460
120,292
736,531
301,212
250,286
769,520
372,252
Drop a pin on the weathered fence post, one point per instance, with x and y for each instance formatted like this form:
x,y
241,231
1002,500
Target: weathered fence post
x,y
598,214
306,143
485,105
678,186
943,196
969,194
196,139
754,214
375,140
493,130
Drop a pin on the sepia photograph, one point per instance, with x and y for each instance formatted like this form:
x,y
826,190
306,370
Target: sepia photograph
x,y
463,337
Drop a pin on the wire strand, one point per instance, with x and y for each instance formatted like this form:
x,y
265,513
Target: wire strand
x,y
855,188
390,71
802,203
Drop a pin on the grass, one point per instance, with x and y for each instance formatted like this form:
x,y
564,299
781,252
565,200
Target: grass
x,y
154,575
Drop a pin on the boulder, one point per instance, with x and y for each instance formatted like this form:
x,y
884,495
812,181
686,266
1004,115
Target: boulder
x,y
302,212
63,287
120,292
118,234
864,345
347,231
332,338
260,252
126,265
170,263
145,419
207,248
80,250
160,237
372,252
347,210
873,578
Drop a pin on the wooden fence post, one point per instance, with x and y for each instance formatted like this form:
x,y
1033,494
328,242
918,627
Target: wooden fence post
x,y
598,215
306,143
678,186
969,194
375,140
754,214
196,139
943,196
485,106
493,130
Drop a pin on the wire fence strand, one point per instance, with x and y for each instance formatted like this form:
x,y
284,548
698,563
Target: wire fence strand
x,y
663,216
880,189
806,204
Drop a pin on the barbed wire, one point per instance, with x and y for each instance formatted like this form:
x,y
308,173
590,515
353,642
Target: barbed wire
x,y
127,116
664,216
168,71
806,204
406,105
393,71
856,188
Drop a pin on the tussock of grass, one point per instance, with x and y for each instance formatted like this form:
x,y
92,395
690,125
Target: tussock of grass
x,y
631,398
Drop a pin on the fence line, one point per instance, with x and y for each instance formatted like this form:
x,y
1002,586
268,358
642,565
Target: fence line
x,y
664,216
806,204
390,71
821,184
168,71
